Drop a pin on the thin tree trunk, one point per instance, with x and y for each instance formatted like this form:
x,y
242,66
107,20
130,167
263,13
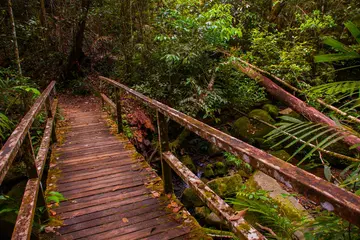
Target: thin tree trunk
x,y
298,105
16,48
42,13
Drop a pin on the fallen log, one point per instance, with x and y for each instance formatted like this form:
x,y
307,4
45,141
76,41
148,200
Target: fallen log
x,y
298,105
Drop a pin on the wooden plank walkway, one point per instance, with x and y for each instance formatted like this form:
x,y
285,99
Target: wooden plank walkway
x,y
105,187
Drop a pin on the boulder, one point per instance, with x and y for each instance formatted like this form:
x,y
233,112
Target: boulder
x,y
220,169
249,129
190,199
271,109
213,220
282,154
226,186
202,212
188,162
209,172
288,204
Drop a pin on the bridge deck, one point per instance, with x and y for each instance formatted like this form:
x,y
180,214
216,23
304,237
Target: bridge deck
x,y
105,186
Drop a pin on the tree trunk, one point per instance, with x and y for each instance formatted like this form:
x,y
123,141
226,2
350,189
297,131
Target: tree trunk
x,y
42,13
16,48
298,105
76,54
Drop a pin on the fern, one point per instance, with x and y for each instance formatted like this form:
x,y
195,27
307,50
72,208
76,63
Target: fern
x,y
266,211
314,135
5,126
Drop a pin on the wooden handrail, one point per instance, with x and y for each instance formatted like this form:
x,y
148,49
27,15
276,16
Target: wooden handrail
x,y
35,165
331,197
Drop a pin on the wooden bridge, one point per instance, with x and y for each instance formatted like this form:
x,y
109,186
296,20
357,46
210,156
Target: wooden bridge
x,y
106,185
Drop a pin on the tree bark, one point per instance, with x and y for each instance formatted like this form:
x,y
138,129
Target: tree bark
x,y
42,13
298,105
16,48
76,54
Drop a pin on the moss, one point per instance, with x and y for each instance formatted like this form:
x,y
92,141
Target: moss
x,y
209,172
202,212
282,154
190,199
288,209
271,109
248,130
188,162
226,186
220,169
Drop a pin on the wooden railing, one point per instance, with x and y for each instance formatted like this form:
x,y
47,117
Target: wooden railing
x,y
21,139
331,197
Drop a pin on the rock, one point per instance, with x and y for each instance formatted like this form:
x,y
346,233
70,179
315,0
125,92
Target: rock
x,y
249,129
291,113
213,149
271,109
282,154
209,172
241,127
226,186
190,199
202,212
220,169
288,204
213,220
188,162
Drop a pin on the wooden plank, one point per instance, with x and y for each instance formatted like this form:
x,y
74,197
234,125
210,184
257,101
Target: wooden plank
x,y
25,218
110,186
96,165
97,157
135,231
12,145
133,215
116,222
169,234
102,195
115,177
104,199
135,204
240,227
102,207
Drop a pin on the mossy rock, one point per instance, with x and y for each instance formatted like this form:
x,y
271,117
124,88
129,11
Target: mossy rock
x,y
213,220
271,109
209,172
288,204
249,129
266,145
190,199
213,149
188,162
220,169
282,154
202,212
226,186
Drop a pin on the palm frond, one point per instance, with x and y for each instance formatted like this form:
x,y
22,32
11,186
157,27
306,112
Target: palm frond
x,y
336,88
316,136
5,126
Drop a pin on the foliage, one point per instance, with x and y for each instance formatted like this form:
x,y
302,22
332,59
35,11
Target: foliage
x,y
329,226
232,159
54,197
267,212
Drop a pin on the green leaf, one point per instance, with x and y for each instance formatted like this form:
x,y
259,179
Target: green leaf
x,y
336,57
354,30
327,172
357,192
337,45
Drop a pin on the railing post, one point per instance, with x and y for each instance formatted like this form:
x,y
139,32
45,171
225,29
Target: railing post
x,y
102,100
42,203
118,109
164,147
